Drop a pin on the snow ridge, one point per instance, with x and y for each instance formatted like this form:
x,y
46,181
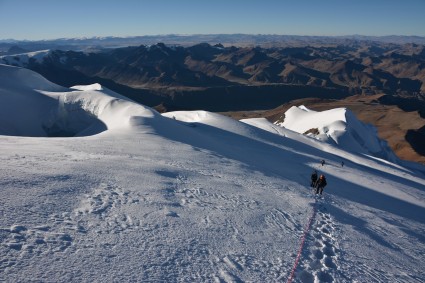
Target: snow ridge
x,y
338,126
51,110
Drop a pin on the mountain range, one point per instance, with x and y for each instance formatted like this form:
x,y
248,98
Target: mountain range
x,y
175,70
266,40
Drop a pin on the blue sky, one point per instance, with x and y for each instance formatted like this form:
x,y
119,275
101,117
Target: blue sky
x,y
50,19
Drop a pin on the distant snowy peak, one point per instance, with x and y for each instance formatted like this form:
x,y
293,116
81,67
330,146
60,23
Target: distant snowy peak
x,y
28,59
337,126
23,59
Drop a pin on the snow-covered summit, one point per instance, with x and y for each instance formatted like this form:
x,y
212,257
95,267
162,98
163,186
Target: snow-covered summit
x,y
338,126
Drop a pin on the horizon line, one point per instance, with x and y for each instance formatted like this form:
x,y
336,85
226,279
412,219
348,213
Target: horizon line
x,y
204,34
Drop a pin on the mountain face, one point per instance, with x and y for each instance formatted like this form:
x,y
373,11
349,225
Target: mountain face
x,y
160,73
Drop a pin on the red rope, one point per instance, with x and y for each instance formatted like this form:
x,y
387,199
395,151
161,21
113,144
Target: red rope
x,y
306,230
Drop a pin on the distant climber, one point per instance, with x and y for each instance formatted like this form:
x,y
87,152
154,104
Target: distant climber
x,y
322,162
313,178
342,163
320,184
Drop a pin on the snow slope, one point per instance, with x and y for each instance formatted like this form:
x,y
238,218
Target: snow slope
x,y
190,196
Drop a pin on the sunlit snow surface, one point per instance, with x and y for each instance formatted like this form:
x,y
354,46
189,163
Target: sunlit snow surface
x,y
338,126
190,196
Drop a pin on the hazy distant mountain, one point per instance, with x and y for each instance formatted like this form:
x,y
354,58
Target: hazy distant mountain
x,y
268,40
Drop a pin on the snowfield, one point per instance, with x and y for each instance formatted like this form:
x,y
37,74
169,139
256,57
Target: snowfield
x,y
25,58
97,188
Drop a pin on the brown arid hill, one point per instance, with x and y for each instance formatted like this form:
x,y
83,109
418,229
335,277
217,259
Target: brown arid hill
x,y
404,131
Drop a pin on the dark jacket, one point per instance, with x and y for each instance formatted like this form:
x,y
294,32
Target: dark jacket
x,y
321,183
314,177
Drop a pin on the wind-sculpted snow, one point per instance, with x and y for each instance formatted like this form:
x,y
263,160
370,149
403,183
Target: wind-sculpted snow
x,y
32,106
339,126
190,196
